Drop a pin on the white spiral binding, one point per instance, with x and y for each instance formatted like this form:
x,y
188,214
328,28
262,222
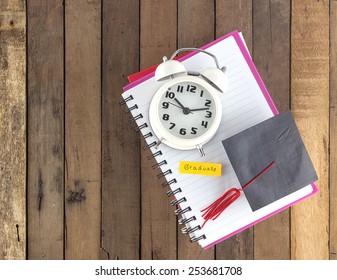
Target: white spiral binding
x,y
161,163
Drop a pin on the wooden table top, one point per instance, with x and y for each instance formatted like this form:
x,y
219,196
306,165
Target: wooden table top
x,y
75,182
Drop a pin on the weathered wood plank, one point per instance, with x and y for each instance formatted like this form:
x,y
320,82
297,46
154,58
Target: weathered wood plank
x,y
45,129
333,130
120,162
235,15
310,105
13,129
195,23
83,129
271,44
231,15
194,31
157,38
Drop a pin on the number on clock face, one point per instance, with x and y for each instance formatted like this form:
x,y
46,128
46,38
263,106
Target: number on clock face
x,y
186,110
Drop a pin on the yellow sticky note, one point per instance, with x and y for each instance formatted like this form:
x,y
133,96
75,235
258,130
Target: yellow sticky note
x,y
200,168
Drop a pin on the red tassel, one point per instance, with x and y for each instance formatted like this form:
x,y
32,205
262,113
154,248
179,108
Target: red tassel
x,y
214,210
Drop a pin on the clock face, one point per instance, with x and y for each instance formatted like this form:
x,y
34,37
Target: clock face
x,y
186,110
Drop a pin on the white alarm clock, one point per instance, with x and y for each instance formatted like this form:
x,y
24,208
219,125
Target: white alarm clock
x,y
185,112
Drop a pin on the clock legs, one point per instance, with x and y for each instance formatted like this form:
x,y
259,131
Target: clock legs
x,y
201,150
158,143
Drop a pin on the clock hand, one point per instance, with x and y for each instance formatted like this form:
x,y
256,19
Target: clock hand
x,y
186,110
177,106
179,103
174,105
199,109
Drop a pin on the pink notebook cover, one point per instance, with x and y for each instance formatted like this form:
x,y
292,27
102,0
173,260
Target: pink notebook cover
x,y
145,74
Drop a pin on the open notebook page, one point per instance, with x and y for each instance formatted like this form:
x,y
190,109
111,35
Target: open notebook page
x,y
244,105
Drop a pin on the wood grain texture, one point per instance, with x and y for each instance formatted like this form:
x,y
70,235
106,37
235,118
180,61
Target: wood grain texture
x,y
83,129
158,38
13,129
333,130
271,49
235,15
195,23
310,106
45,129
120,143
193,31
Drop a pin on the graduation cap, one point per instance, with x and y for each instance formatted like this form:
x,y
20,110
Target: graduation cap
x,y
274,140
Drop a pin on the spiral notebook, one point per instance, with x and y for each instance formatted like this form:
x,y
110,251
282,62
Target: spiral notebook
x,y
246,105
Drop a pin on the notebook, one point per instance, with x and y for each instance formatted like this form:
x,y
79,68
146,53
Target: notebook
x,y
246,105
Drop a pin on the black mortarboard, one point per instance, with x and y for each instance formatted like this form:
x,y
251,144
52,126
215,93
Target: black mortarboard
x,y
252,150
